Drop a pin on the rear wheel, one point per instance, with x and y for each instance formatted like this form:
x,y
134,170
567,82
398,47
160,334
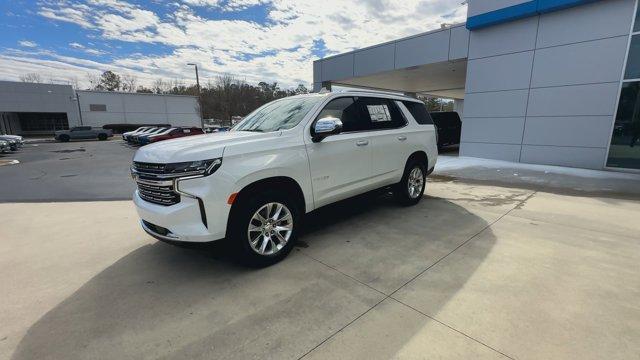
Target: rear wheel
x,y
410,189
264,228
102,137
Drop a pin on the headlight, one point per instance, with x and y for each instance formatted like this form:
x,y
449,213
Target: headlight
x,y
193,168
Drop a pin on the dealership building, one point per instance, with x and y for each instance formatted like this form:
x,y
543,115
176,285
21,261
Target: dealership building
x,y
40,109
536,81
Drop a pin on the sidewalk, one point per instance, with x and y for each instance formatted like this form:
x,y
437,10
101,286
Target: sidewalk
x,y
540,177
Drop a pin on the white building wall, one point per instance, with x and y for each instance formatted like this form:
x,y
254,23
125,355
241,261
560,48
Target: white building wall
x,y
29,97
543,89
129,108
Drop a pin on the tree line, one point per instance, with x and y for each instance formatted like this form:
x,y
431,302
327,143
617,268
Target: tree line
x,y
220,98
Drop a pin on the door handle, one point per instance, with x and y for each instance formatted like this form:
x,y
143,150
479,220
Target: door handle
x,y
402,138
362,142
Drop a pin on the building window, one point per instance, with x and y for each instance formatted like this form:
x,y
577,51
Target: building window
x,y
97,107
633,60
43,122
624,149
636,26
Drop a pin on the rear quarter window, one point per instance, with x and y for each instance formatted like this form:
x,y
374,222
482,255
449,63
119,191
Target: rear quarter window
x,y
419,112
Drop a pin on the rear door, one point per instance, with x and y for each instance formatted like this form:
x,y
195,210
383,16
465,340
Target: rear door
x,y
388,139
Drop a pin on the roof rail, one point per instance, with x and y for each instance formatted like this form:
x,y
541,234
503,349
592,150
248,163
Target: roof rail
x,y
372,91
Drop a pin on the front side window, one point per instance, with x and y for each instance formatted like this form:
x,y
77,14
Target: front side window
x,y
278,115
347,109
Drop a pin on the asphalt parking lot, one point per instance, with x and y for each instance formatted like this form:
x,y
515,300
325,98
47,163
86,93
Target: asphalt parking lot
x,y
73,171
473,271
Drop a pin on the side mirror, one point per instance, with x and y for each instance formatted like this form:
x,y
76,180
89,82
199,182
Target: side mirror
x,y
325,127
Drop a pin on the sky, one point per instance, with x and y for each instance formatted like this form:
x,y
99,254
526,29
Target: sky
x,y
254,40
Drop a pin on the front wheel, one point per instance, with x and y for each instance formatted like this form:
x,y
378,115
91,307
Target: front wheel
x,y
410,189
102,137
64,138
264,228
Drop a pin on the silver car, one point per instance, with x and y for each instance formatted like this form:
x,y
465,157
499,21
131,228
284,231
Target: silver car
x,y
83,132
15,142
4,146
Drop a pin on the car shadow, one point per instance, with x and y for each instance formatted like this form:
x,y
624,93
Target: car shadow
x,y
161,301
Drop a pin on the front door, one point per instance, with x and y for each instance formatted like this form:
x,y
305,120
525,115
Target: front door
x,y
340,165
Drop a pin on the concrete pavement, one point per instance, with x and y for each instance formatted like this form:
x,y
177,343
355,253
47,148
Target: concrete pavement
x,y
473,271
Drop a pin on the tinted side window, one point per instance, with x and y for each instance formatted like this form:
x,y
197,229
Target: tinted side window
x,y
419,112
382,113
347,110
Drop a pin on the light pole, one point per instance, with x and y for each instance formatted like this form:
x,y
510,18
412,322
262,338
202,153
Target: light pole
x,y
199,95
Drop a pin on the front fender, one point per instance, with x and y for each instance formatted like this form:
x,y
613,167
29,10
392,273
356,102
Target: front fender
x,y
290,162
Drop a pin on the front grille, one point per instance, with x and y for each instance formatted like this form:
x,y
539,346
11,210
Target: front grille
x,y
148,169
158,194
152,190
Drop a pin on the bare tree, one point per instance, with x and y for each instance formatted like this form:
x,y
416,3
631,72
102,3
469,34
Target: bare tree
x,y
160,86
31,78
73,81
94,81
129,83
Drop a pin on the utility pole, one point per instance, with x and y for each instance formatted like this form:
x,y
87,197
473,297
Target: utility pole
x,y
199,95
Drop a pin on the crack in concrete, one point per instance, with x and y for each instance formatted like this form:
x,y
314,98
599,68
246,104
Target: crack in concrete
x,y
390,296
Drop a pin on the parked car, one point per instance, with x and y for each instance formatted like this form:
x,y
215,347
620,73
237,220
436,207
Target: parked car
x,y
253,184
15,142
172,133
136,137
449,127
125,136
131,137
83,132
4,146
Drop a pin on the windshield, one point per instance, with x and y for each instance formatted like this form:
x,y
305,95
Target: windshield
x,y
278,115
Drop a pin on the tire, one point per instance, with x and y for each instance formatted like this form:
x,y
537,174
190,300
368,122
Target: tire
x,y
102,137
65,138
264,250
410,189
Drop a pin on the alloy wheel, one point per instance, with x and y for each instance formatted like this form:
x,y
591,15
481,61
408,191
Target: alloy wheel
x,y
415,183
270,228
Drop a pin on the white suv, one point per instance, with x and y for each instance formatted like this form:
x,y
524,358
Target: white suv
x,y
253,184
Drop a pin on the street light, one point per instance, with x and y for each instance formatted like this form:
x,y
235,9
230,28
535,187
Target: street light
x,y
199,94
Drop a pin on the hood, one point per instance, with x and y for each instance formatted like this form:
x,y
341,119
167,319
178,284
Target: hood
x,y
15,137
8,139
197,147
12,137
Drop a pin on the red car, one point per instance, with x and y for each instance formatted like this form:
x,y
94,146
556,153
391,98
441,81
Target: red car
x,y
171,133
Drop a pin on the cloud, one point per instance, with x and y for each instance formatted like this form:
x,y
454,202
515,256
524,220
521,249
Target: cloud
x,y
281,48
228,5
90,51
27,44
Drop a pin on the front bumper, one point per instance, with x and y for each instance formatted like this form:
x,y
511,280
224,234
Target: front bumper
x,y
200,216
